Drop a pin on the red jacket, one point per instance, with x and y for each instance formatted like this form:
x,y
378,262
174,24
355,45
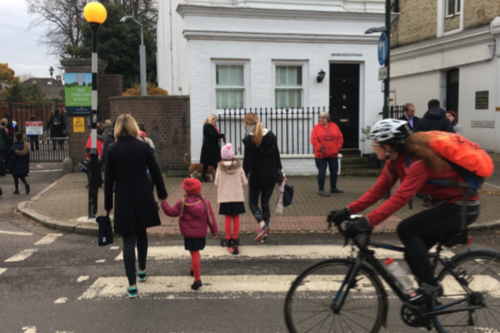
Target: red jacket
x,y
330,137
413,181
89,146
194,220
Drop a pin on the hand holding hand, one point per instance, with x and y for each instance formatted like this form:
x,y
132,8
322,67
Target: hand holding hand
x,y
163,200
215,236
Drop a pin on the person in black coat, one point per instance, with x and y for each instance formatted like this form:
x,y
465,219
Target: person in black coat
x,y
18,162
409,115
262,162
210,150
127,161
57,131
434,120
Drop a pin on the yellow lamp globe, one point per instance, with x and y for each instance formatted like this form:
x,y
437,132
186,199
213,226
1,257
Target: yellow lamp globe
x,y
94,12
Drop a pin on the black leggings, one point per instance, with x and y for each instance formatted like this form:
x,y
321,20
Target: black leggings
x,y
129,254
422,231
254,193
16,181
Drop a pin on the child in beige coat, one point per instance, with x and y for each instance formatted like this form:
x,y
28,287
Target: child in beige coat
x,y
230,180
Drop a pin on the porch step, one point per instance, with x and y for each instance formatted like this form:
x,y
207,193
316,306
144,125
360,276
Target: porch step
x,y
355,161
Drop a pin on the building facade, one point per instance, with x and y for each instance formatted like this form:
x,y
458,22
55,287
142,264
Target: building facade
x,y
50,87
236,55
449,50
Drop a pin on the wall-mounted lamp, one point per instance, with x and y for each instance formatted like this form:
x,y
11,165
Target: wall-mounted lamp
x,y
321,76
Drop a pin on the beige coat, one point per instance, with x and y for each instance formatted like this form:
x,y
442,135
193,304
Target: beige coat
x,y
230,180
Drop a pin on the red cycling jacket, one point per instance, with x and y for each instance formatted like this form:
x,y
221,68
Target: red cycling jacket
x,y
330,137
414,178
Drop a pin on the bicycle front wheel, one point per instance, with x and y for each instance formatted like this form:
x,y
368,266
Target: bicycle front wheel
x,y
310,302
477,286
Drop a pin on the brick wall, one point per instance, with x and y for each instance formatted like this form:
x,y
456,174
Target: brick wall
x,y
167,122
109,86
417,22
480,12
452,23
77,141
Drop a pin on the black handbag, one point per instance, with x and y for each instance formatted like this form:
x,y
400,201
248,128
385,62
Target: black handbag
x,y
105,230
84,165
288,195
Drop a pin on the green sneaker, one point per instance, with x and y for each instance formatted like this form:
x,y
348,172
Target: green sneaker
x,y
132,292
142,276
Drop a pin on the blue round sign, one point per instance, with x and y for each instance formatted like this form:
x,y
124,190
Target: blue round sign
x,y
382,49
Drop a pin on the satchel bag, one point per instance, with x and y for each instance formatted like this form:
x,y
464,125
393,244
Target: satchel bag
x,y
105,230
288,195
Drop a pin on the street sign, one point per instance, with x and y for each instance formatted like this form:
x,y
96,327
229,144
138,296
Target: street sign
x,y
78,124
34,128
383,44
78,93
382,73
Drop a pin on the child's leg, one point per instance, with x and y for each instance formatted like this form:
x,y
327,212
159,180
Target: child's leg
x,y
236,226
227,225
195,264
16,183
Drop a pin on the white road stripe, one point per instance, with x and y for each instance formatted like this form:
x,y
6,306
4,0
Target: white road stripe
x,y
21,255
29,329
2,270
114,248
236,286
82,278
61,300
16,233
100,261
267,252
49,238
41,171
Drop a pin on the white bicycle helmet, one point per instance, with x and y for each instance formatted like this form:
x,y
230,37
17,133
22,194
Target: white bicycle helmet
x,y
390,131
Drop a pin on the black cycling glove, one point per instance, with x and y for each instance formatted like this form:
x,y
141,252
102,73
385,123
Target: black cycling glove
x,y
357,227
338,216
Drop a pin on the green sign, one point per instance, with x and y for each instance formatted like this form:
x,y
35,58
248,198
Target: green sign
x,y
78,93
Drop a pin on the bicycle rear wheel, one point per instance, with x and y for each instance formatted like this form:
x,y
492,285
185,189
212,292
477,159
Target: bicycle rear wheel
x,y
480,272
308,305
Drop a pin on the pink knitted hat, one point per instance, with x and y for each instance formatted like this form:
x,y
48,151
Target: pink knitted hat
x,y
227,152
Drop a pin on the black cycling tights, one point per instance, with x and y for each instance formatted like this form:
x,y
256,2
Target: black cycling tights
x,y
129,254
422,231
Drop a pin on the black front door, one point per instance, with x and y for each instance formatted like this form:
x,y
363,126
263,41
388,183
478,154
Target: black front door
x,y
344,102
452,85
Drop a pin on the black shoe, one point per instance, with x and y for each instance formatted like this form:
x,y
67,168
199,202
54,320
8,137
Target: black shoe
x,y
323,193
15,192
196,285
28,189
191,273
425,294
336,190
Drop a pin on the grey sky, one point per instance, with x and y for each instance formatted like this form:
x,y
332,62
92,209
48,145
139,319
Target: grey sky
x,y
19,46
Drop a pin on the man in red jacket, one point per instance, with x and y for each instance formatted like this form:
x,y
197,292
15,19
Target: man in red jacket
x,y
420,232
327,140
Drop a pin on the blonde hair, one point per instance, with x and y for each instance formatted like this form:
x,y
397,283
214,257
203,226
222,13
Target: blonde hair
x,y
417,145
204,203
126,125
258,133
407,106
4,122
210,119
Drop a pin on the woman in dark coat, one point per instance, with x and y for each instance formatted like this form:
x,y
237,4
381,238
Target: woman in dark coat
x,y
262,161
18,162
127,162
210,151
57,131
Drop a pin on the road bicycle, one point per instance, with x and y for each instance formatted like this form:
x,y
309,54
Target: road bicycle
x,y
347,295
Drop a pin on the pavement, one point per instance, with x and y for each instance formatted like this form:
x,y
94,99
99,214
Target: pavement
x,y
63,205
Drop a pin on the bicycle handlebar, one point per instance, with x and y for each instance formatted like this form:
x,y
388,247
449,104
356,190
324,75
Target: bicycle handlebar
x,y
360,243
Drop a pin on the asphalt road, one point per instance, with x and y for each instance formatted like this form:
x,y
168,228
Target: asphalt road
x,y
67,283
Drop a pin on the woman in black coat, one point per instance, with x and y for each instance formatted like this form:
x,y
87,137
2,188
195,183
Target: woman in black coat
x,y
210,151
262,162
57,131
18,162
127,162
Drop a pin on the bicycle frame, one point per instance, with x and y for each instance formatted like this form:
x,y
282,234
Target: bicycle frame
x,y
367,256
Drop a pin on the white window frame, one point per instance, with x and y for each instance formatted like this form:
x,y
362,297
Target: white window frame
x,y
457,11
246,80
305,79
442,16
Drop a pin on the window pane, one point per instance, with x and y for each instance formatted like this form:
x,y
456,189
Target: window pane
x,y
451,7
288,76
230,75
230,99
458,6
291,98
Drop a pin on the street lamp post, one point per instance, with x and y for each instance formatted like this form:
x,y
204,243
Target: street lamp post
x,y
51,71
142,52
95,14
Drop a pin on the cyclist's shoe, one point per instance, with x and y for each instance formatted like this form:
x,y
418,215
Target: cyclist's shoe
x,y
142,276
132,292
261,232
264,239
425,294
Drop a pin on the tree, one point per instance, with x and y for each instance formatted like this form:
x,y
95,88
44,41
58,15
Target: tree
x,y
8,79
32,93
64,20
119,46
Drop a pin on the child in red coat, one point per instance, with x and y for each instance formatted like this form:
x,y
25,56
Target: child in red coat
x,y
195,214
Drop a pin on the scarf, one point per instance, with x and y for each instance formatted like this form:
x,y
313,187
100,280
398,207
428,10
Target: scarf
x,y
220,140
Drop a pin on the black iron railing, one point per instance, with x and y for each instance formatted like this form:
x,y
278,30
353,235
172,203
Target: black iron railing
x,y
396,111
292,127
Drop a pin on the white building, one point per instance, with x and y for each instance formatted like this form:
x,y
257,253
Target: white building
x,y
232,54
457,62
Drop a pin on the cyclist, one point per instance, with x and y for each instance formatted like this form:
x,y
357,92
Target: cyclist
x,y
392,140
